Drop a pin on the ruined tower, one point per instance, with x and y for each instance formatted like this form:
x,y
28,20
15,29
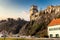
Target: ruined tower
x,y
33,12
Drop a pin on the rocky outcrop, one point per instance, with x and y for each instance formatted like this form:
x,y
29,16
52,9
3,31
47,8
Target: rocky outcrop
x,y
39,26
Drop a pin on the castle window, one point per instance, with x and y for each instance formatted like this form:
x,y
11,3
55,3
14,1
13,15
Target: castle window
x,y
51,35
32,14
35,15
57,35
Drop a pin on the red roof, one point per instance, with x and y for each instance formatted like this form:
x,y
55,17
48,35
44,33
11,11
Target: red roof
x,y
54,22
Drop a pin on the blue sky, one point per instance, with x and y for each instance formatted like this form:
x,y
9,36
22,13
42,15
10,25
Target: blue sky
x,y
20,8
25,4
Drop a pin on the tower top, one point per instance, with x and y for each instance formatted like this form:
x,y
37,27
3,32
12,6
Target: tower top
x,y
33,7
33,12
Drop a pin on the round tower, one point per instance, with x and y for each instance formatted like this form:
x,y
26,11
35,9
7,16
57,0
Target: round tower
x,y
33,11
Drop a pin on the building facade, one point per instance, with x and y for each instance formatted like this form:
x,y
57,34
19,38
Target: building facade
x,y
54,29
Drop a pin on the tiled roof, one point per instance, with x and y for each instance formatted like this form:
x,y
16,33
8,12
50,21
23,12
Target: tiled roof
x,y
54,22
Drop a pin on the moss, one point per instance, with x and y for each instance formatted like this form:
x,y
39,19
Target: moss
x,y
58,16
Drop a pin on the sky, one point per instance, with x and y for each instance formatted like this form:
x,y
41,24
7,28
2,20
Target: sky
x,y
20,8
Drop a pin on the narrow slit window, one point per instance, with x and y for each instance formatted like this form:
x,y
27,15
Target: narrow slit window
x,y
51,35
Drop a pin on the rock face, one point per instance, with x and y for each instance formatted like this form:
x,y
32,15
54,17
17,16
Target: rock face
x,y
38,27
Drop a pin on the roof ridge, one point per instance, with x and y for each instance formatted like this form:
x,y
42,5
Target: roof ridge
x,y
54,22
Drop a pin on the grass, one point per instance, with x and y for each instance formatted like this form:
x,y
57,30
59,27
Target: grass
x,y
27,39
15,39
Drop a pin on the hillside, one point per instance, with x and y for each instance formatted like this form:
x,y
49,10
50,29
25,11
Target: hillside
x,y
12,25
37,28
